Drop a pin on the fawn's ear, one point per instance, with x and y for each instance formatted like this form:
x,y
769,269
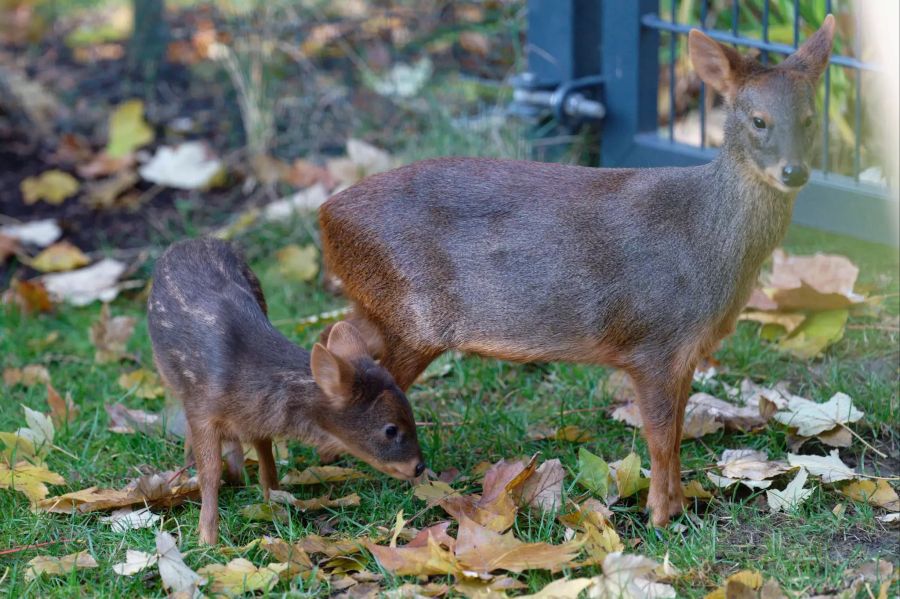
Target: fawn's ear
x,y
345,341
811,58
333,375
720,67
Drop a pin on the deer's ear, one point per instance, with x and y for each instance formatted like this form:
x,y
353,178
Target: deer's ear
x,y
333,375
345,341
811,58
720,67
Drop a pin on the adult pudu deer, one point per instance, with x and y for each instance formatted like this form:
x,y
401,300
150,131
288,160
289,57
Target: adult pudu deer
x,y
642,269
241,380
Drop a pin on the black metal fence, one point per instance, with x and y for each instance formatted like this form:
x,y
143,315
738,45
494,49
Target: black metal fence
x,y
614,57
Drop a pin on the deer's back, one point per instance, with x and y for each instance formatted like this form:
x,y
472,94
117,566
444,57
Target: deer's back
x,y
521,259
207,322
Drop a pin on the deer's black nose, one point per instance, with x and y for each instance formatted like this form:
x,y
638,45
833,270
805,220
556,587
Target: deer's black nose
x,y
420,468
795,175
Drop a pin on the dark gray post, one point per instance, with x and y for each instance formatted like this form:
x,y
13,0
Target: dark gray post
x,y
630,66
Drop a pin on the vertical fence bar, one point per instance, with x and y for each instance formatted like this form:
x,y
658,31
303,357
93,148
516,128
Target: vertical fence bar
x,y
629,57
796,23
826,160
703,10
857,125
765,30
673,45
735,16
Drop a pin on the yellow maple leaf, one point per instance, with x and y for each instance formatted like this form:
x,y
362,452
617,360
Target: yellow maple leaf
x,y
29,479
145,383
60,256
52,186
128,130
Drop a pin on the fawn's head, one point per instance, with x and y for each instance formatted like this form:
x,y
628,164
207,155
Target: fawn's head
x,y
367,412
771,120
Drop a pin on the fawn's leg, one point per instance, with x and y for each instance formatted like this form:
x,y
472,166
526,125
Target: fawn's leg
x,y
662,400
404,362
268,475
188,451
208,455
234,462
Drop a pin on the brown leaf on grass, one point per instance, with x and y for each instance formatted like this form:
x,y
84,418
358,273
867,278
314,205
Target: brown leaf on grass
x,y
749,467
818,282
27,376
294,556
47,564
146,383
176,576
30,296
493,588
482,550
570,434
61,410
163,489
315,475
751,579
875,492
303,173
28,479
328,546
564,588
416,591
316,503
497,506
694,490
240,576
544,488
127,421
430,553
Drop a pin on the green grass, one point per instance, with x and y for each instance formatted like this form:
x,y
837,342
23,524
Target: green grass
x,y
494,404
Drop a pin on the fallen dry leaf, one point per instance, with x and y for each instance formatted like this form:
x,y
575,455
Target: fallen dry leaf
x,y
103,165
570,434
135,561
628,476
749,464
430,553
627,576
792,496
143,382
317,503
52,186
240,576
40,430
102,195
315,475
876,492
162,489
265,512
811,418
544,488
299,264
818,282
190,165
61,256
694,490
30,296
816,334
16,448
176,576
47,564
482,550
128,130
128,519
85,285
830,469
363,159
564,588
61,410
40,233
305,200
127,421
29,479
28,376
294,556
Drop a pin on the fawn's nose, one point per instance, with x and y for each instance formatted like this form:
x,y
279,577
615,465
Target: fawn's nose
x,y
420,468
794,175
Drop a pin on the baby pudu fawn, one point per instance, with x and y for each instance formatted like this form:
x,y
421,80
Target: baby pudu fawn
x,y
241,380
642,269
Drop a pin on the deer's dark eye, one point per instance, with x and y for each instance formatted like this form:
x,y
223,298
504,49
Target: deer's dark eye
x,y
759,123
390,431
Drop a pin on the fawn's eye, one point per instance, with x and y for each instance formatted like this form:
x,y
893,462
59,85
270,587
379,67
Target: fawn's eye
x,y
390,431
759,123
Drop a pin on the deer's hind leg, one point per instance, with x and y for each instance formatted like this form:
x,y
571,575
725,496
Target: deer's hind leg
x,y
268,475
207,446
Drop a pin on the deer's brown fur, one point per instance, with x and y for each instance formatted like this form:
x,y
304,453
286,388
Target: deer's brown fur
x,y
241,380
